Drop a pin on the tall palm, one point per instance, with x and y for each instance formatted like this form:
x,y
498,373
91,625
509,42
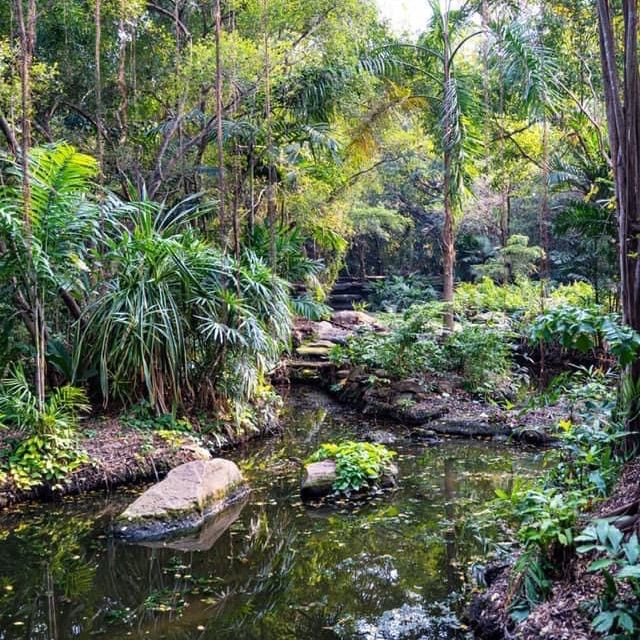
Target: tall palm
x,y
451,111
455,106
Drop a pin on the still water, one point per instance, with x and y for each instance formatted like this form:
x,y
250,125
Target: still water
x,y
392,568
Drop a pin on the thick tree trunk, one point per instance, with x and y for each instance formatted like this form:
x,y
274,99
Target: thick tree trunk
x,y
623,116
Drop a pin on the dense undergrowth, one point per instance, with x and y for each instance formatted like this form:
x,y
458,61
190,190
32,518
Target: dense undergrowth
x,y
115,303
501,334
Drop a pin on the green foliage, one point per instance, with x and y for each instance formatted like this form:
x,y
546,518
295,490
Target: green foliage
x,y
617,612
514,261
416,345
583,329
545,512
521,300
398,293
142,417
482,354
358,464
49,450
176,314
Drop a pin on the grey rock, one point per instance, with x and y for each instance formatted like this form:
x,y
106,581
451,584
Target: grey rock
x,y
468,427
205,537
382,437
183,501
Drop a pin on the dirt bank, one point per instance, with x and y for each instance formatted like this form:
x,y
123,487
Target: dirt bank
x,y
119,454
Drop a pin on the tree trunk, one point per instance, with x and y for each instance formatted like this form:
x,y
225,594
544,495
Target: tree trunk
x,y
219,130
271,200
448,229
122,79
623,119
543,214
98,89
27,35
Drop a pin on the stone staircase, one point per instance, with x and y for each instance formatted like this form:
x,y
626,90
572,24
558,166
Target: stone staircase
x,y
350,291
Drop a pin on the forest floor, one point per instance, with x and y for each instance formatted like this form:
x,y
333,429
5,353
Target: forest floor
x,y
564,615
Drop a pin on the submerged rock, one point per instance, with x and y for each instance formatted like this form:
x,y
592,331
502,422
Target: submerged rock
x,y
183,501
468,427
319,477
379,436
408,622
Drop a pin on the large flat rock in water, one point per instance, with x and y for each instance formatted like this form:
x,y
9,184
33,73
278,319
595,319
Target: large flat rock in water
x,y
189,495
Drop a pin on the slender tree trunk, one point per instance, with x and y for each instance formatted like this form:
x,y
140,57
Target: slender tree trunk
x,y
27,35
122,78
543,212
219,130
271,200
448,229
98,89
252,190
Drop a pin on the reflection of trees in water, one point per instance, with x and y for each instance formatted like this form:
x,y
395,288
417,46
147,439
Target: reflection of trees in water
x,y
47,560
267,578
234,586
449,487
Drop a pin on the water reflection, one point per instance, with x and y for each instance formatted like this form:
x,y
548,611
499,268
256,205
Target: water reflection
x,y
274,570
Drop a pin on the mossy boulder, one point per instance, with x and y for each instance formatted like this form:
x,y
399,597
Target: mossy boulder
x,y
182,502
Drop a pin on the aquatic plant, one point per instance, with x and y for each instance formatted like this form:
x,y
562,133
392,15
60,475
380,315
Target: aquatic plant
x,y
358,464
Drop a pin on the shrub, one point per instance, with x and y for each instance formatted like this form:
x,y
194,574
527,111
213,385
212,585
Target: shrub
x,y
523,299
358,464
417,345
411,347
584,329
616,614
516,260
177,320
545,512
482,354
397,293
49,451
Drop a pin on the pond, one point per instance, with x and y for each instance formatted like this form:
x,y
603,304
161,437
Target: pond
x,y
391,568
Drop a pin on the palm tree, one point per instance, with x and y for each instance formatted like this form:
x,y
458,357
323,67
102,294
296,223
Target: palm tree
x,y
440,47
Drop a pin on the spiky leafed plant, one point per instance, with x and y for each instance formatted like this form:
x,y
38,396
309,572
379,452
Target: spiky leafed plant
x,y
178,321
